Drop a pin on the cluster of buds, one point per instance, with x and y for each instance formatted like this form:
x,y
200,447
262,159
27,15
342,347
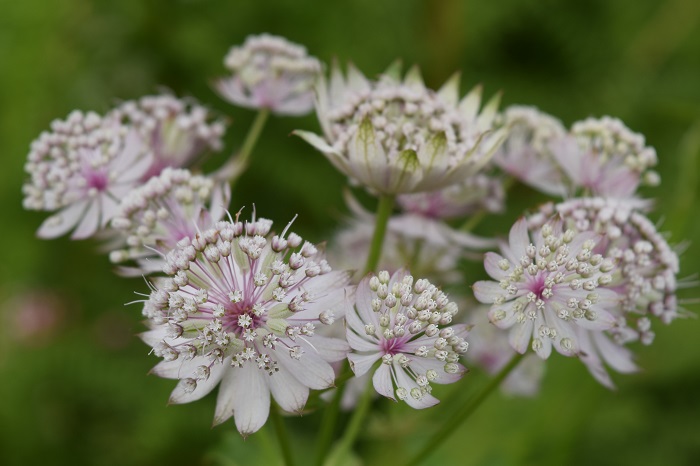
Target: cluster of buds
x,y
83,166
169,207
405,325
396,136
269,72
178,131
240,308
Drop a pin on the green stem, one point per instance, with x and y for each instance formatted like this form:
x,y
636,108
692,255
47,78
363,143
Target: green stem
x,y
386,204
462,413
473,221
239,161
282,436
330,417
353,428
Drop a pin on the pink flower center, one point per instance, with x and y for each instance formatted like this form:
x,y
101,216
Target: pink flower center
x,y
537,285
97,180
232,323
391,346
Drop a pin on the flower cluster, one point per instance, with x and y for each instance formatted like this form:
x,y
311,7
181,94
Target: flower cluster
x,y
239,309
396,136
83,167
548,287
272,73
168,208
398,321
178,131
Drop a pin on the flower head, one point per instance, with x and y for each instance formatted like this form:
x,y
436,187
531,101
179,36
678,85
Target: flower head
x,y
169,207
605,158
405,325
239,309
547,287
270,72
396,136
525,152
177,130
83,166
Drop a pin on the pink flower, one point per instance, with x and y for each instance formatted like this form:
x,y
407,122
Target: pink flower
x,y
270,72
398,322
548,287
83,167
239,310
178,131
170,207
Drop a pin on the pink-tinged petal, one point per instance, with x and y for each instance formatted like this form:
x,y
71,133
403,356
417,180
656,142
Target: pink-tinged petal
x,y
220,199
495,317
603,321
287,391
90,222
310,369
337,300
329,349
316,141
546,349
404,381
423,365
363,303
487,291
491,260
616,356
519,336
518,238
357,327
181,395
462,330
244,393
589,356
382,382
564,331
356,342
63,221
361,363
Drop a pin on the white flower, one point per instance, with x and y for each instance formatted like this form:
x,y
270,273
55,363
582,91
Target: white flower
x,y
405,325
270,72
172,206
548,287
177,130
84,166
396,137
239,311
605,158
525,152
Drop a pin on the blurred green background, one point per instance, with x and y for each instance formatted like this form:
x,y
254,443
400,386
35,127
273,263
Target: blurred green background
x,y
73,384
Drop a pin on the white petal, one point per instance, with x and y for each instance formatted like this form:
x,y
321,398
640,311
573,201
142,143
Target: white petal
x,y
449,92
618,357
519,336
469,106
90,222
329,349
361,363
287,391
63,221
422,365
486,291
382,382
404,381
311,370
180,396
244,393
357,342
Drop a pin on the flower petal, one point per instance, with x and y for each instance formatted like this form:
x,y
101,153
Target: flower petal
x,y
287,391
382,382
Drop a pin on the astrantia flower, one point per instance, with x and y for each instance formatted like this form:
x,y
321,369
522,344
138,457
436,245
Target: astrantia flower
x,y
270,72
177,130
646,275
477,193
405,325
605,158
525,152
168,208
239,310
396,137
548,287
84,166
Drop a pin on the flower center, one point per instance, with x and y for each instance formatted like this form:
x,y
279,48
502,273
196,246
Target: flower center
x,y
240,317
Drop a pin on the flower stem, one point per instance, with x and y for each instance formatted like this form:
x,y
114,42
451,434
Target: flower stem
x,y
353,428
239,161
330,417
462,413
282,436
386,204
